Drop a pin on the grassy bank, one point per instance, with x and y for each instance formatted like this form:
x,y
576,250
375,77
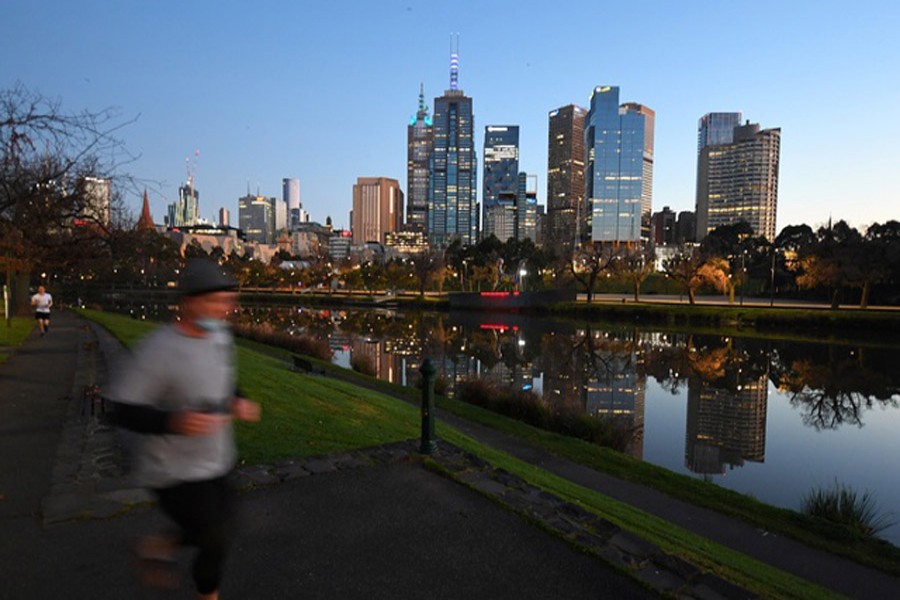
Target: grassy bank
x,y
304,415
13,336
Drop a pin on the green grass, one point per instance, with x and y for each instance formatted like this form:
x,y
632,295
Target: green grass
x,y
307,415
304,415
10,337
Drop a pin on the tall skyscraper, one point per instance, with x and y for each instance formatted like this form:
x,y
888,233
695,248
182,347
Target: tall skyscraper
x,y
224,217
737,180
419,145
619,168
452,197
501,168
256,218
377,209
279,209
565,178
185,212
526,208
290,194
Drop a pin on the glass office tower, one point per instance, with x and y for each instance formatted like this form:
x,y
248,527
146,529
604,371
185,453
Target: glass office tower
x,y
452,197
501,168
419,142
619,168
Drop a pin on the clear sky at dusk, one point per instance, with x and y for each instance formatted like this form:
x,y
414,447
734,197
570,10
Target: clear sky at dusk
x,y
323,91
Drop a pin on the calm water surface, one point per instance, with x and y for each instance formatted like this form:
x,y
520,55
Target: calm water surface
x,y
772,419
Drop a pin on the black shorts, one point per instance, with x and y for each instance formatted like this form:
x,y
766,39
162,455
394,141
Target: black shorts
x,y
42,316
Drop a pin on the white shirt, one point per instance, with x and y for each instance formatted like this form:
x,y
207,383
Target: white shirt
x,y
42,302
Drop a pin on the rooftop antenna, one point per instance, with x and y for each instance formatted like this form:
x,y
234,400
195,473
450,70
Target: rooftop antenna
x,y
454,63
423,110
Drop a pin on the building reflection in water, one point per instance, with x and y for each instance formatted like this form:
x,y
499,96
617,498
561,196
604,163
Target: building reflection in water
x,y
725,426
727,400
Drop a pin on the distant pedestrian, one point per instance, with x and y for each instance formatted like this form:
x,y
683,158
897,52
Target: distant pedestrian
x,y
42,301
178,390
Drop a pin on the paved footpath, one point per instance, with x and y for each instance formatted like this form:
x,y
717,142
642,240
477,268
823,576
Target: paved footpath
x,y
371,523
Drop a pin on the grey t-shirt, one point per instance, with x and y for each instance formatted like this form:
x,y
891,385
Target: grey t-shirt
x,y
174,372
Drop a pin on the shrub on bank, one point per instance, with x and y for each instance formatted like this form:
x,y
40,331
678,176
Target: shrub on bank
x,y
528,407
307,345
842,504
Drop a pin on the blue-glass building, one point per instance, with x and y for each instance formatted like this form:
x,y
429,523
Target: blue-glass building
x,y
717,128
453,185
501,169
618,168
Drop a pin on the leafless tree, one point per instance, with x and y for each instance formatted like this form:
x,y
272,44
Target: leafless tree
x,y
46,155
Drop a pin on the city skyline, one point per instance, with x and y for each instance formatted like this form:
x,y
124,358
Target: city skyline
x,y
262,108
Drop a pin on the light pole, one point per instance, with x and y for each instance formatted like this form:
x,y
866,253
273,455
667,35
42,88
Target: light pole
x,y
743,275
772,278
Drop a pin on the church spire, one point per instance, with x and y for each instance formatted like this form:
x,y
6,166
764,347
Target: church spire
x,y
145,223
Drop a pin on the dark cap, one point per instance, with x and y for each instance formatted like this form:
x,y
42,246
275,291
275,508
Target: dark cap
x,y
202,276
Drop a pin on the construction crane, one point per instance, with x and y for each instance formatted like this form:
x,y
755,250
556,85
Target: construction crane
x,y
191,168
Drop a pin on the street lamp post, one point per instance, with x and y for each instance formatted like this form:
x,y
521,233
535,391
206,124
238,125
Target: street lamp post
x,y
772,279
743,275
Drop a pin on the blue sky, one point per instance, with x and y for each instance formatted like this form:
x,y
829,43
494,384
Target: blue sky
x,y
323,91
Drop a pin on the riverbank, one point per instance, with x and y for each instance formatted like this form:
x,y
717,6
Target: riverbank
x,y
807,322
683,543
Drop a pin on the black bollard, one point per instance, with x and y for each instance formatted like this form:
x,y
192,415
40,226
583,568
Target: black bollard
x,y
429,443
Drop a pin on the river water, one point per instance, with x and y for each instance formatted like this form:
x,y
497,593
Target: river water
x,y
772,419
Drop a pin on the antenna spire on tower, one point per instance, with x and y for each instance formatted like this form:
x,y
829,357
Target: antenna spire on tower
x,y
454,63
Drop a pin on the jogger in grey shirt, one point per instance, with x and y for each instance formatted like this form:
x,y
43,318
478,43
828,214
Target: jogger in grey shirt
x,y
178,391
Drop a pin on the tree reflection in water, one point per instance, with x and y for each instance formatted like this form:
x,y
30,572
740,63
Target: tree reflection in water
x,y
834,385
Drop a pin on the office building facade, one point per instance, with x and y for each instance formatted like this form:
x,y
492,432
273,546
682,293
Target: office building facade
x,y
419,146
256,218
619,168
526,208
185,212
738,181
377,209
452,197
97,200
565,178
501,168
